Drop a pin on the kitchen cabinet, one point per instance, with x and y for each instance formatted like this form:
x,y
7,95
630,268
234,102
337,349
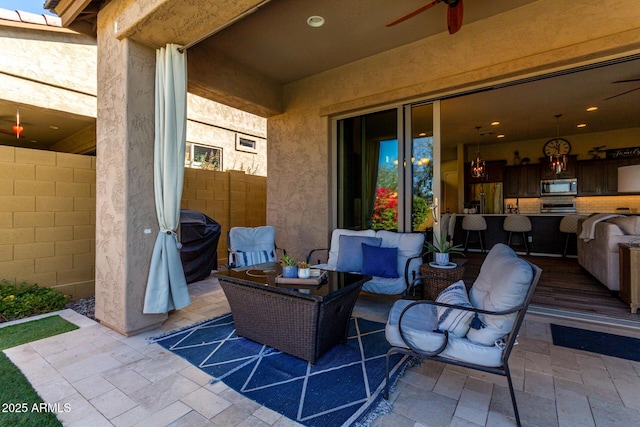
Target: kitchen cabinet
x,y
522,181
598,177
569,172
495,172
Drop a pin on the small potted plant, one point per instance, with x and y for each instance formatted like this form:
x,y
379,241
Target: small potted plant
x,y
442,248
304,270
289,266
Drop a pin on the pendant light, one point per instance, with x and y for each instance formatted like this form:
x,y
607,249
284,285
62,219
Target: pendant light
x,y
558,162
478,166
17,128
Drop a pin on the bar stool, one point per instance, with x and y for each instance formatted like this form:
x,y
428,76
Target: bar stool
x,y
452,228
569,225
517,224
474,223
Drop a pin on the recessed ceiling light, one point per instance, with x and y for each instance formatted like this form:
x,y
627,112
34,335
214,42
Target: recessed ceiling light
x,y
496,123
501,135
315,21
592,109
54,127
582,125
422,134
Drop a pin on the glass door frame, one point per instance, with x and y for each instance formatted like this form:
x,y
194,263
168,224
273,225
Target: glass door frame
x,y
405,178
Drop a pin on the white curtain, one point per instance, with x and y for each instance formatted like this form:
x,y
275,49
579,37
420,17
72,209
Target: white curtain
x,y
167,286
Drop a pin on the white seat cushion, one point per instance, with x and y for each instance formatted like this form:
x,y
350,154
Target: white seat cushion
x,y
408,244
247,239
502,284
420,328
334,250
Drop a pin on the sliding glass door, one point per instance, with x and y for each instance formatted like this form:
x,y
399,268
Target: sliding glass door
x,y
368,171
422,166
385,169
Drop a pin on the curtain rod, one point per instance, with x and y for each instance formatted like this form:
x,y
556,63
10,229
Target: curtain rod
x,y
222,27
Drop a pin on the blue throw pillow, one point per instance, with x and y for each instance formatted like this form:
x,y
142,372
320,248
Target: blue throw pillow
x,y
381,262
350,252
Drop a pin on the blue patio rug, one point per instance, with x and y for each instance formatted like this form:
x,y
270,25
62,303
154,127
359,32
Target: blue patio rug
x,y
596,342
343,388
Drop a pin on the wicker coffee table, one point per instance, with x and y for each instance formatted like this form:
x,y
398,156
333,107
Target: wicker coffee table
x,y
303,321
440,278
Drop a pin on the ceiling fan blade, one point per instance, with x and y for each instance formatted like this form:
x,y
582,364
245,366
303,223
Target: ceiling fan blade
x,y
413,13
454,17
623,93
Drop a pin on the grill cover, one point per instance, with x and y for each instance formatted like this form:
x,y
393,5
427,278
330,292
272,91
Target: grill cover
x,y
199,236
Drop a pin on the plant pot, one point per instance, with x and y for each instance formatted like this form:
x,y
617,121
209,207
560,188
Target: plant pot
x,y
290,271
442,258
304,273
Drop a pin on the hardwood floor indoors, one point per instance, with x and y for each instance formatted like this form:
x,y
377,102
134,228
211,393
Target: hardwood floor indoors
x,y
565,285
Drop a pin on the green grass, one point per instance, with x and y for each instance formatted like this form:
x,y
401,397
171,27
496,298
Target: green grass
x,y
17,397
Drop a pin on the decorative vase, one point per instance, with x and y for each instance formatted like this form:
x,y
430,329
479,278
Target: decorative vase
x,y
290,271
442,258
304,273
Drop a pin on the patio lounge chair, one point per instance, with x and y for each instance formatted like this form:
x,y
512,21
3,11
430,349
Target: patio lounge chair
x,y
477,330
252,245
392,259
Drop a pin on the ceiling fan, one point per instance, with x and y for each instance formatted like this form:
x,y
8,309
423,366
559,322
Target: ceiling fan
x,y
625,92
454,14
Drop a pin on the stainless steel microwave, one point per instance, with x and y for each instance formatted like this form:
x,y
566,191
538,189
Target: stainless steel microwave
x,y
559,187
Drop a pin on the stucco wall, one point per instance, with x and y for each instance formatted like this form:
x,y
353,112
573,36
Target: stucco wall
x,y
541,36
47,219
217,125
49,69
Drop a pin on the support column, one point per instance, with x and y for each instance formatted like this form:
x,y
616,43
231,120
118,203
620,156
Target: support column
x,y
124,179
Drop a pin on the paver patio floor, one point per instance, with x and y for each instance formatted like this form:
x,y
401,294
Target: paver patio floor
x,y
112,380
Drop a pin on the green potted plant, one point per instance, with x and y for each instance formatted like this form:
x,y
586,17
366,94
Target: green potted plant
x,y
289,266
442,248
304,270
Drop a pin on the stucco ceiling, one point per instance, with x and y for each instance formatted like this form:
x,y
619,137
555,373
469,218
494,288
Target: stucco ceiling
x,y
277,42
42,127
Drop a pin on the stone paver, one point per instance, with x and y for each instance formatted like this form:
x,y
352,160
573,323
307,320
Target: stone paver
x,y
111,380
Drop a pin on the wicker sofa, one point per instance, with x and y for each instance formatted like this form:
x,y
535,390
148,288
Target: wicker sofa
x,y
346,254
600,255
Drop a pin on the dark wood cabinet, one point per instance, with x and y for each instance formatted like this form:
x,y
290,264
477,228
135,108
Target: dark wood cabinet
x,y
522,181
598,177
569,172
495,172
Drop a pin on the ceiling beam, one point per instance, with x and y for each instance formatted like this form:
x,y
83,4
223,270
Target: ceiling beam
x,y
68,10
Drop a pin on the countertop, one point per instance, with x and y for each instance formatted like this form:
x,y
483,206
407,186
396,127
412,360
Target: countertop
x,y
526,214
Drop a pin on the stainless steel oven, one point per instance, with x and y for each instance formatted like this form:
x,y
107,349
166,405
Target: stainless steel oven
x,y
559,187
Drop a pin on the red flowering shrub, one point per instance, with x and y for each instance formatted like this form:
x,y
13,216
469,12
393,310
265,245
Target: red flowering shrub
x,y
385,210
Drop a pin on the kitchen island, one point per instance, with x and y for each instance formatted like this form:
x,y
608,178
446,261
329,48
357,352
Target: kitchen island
x,y
545,236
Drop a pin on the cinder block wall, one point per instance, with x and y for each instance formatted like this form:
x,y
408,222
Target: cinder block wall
x,y
232,199
47,219
48,213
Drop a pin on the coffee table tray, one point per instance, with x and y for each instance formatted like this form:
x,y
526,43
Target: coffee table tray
x,y
294,282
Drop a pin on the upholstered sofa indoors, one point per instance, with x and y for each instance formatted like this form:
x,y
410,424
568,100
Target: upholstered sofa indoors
x,y
598,250
392,259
